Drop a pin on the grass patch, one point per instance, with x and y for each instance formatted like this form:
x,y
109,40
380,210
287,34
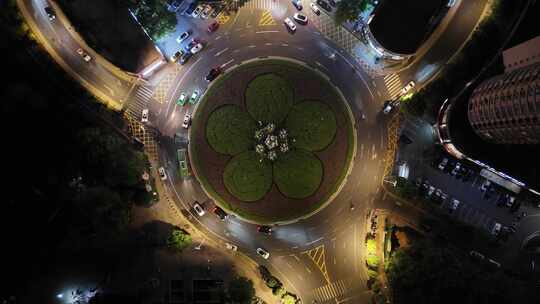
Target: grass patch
x,y
247,178
230,130
298,174
312,124
269,98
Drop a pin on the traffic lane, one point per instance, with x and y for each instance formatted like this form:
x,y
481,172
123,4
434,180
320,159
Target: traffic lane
x,y
65,46
344,251
450,40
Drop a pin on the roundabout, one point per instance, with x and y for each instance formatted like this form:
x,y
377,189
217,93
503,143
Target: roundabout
x,y
268,151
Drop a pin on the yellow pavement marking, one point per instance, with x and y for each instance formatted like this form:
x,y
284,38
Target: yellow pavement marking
x,y
222,18
317,256
267,19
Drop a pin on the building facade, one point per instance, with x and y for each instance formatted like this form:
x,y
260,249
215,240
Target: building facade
x,y
506,109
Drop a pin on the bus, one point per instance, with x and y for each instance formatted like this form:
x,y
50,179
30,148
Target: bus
x,y
182,160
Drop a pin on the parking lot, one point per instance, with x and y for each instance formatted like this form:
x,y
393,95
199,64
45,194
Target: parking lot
x,y
196,20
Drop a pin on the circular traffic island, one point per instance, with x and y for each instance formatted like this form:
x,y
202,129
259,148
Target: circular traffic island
x,y
272,141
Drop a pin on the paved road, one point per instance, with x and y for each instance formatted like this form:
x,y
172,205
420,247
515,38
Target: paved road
x,y
320,258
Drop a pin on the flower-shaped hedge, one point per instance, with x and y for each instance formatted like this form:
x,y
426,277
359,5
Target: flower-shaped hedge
x,y
298,172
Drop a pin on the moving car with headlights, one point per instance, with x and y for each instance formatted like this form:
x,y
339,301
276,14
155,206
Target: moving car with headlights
x,y
264,229
84,55
220,213
50,13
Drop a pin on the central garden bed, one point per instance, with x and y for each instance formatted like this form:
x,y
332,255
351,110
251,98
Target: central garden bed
x,y
271,141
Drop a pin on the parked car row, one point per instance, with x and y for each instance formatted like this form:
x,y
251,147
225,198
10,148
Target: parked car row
x,y
456,169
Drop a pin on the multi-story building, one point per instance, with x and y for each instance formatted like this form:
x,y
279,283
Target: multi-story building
x,y
505,109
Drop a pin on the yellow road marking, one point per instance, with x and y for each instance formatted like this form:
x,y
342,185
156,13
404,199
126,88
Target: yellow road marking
x,y
267,19
222,18
317,256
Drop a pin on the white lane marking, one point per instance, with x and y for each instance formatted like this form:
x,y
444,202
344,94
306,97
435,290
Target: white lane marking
x,y
268,43
308,270
223,65
221,52
284,44
252,46
183,76
297,258
362,78
218,37
315,241
262,32
110,90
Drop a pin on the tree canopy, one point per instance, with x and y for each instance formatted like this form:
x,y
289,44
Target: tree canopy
x,y
241,290
155,18
428,273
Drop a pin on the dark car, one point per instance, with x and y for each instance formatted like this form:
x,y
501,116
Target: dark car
x,y
185,57
216,11
213,74
50,13
265,229
175,5
190,8
213,27
324,5
332,3
220,213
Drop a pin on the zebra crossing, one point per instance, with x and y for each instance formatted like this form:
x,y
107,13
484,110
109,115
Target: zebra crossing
x,y
272,5
139,101
393,85
330,291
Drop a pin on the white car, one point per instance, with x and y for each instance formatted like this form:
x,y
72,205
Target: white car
x,y
263,253
144,116
198,209
162,173
187,120
300,18
182,37
84,55
456,169
288,22
197,11
431,190
408,87
485,185
496,229
315,8
206,12
455,205
231,247
197,48
443,164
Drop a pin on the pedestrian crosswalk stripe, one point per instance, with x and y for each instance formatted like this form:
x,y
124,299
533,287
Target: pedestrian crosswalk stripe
x,y
330,291
393,85
267,19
